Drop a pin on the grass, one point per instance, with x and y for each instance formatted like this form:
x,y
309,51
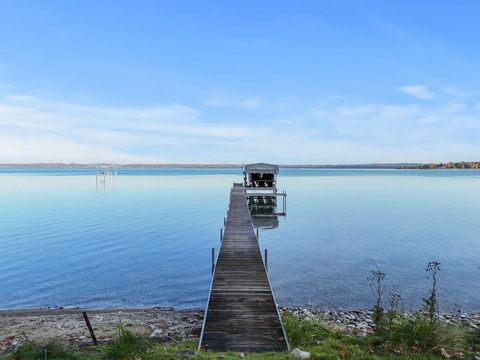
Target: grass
x,y
49,351
403,339
422,335
125,347
305,333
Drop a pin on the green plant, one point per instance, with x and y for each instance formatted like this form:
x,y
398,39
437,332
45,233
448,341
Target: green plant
x,y
124,347
378,288
49,351
394,307
421,335
305,332
431,302
182,350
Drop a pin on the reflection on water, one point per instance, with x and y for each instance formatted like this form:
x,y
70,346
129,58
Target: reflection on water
x,y
263,210
146,240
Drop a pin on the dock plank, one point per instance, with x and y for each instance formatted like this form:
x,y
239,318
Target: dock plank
x,y
241,312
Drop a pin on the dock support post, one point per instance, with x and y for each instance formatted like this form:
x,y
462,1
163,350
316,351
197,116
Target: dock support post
x,y
224,221
266,259
221,235
257,233
213,259
90,329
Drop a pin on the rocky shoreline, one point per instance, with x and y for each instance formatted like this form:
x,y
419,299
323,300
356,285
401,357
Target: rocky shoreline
x,y
68,325
360,322
166,325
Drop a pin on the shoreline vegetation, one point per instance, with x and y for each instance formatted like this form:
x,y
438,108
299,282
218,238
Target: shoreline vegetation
x,y
447,165
402,166
173,334
385,331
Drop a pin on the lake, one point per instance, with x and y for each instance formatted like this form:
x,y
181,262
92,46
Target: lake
x,y
145,239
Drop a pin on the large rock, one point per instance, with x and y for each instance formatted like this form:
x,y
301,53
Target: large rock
x,y
159,335
299,354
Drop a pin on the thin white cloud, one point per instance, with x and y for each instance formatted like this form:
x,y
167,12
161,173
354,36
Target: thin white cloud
x,y
250,103
417,91
376,111
246,103
39,148
454,91
33,129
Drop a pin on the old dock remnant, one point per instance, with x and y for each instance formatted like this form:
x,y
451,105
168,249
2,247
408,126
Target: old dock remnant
x,y
241,313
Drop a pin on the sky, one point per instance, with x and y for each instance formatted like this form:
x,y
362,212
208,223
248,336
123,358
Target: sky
x,y
289,82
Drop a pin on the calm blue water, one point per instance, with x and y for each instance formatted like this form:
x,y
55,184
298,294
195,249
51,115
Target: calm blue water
x,y
145,239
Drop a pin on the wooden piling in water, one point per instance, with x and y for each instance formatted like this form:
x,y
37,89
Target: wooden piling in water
x,y
266,259
213,259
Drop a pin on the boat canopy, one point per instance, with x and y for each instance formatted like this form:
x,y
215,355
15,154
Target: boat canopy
x,y
260,168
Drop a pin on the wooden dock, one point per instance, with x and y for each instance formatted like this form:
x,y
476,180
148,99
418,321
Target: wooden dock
x,y
241,314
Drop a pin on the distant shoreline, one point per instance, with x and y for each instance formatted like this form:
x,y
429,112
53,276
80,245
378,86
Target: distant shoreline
x,y
196,166
387,166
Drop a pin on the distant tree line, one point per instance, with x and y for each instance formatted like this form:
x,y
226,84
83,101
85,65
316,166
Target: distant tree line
x,y
448,165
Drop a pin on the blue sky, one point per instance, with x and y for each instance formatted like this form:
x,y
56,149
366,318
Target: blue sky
x,y
239,81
